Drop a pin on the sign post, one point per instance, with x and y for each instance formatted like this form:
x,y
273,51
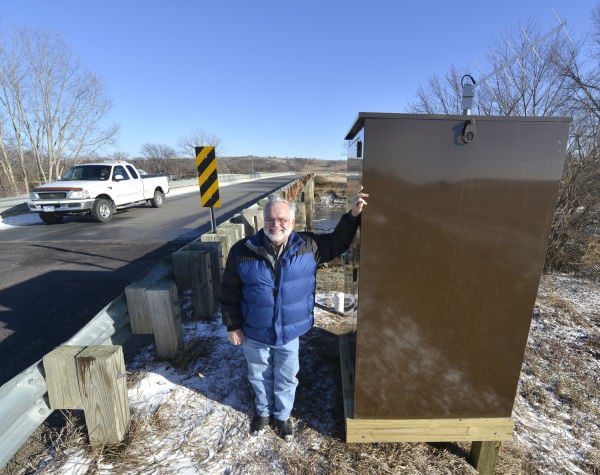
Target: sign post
x,y
208,180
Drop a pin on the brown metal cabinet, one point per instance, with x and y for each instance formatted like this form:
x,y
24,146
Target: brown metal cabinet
x,y
451,250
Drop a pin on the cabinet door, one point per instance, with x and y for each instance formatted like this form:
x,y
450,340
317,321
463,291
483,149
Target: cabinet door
x,y
452,247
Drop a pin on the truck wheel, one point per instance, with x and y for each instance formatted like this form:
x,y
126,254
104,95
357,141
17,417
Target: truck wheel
x,y
50,218
102,210
158,199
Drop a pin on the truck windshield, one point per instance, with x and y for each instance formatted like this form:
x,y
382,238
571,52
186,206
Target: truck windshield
x,y
87,172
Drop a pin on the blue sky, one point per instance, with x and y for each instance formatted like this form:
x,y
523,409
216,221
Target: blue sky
x,y
274,78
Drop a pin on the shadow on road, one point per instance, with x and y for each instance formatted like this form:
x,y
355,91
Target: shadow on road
x,y
41,313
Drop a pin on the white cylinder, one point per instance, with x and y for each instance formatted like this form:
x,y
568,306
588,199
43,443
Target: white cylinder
x,y
338,301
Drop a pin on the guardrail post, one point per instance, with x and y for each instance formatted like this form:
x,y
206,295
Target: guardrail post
x,y
137,305
236,230
165,314
182,271
203,299
224,242
214,248
308,193
103,390
300,217
62,378
253,220
91,378
154,308
229,234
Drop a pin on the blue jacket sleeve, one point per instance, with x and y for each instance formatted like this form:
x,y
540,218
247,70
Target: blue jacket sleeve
x,y
231,292
331,245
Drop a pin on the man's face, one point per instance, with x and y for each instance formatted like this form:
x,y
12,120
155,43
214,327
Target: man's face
x,y
278,225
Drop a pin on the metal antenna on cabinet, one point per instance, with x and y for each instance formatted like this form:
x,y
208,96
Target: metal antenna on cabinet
x,y
468,94
468,87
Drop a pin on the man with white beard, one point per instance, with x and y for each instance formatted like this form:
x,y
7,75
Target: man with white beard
x,y
267,301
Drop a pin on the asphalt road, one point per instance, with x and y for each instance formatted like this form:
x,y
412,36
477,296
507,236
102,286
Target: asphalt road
x,y
55,278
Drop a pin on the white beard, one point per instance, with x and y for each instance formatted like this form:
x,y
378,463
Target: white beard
x,y
278,236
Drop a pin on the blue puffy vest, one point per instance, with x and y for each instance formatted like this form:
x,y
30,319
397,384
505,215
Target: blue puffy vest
x,y
277,302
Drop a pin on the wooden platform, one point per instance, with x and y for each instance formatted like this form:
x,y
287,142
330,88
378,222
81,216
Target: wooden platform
x,y
413,430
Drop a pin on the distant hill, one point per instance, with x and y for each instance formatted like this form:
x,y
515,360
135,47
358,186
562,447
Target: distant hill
x,y
181,168
249,164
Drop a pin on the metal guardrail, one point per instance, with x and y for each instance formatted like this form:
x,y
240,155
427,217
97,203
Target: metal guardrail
x,y
13,206
23,399
23,403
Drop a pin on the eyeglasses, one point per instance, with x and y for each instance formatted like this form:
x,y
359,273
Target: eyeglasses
x,y
280,221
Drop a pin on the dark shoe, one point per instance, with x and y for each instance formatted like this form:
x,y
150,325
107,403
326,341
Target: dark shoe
x,y
259,423
286,429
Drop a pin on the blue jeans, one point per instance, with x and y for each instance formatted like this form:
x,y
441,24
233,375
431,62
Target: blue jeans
x,y
272,374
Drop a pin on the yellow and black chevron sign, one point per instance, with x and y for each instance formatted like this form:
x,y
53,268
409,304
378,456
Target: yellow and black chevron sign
x,y
206,163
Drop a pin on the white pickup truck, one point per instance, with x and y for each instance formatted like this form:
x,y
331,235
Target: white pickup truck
x,y
99,189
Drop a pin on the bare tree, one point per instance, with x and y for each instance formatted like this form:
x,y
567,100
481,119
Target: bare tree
x,y
12,135
198,138
157,157
575,241
576,216
441,97
527,81
120,156
584,79
52,107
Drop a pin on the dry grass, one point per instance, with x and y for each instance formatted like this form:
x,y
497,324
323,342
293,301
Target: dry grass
x,y
330,279
191,351
590,261
560,374
133,454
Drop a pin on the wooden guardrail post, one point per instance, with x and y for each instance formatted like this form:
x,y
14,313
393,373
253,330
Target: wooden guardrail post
x,y
203,299
214,248
192,268
165,314
137,306
253,220
182,271
235,230
62,378
230,241
135,296
224,243
308,194
91,378
154,308
103,389
300,217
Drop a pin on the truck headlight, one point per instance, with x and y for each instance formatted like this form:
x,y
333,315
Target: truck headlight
x,y
79,194
33,196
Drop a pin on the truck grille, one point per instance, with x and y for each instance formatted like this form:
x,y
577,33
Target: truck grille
x,y
52,196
